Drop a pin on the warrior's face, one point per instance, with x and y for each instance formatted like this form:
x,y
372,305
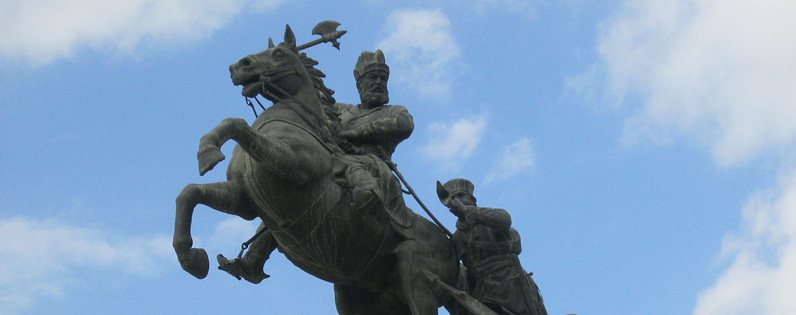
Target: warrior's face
x,y
463,197
372,88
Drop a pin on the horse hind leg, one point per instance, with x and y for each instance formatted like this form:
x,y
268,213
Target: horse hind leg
x,y
226,197
429,252
351,300
416,288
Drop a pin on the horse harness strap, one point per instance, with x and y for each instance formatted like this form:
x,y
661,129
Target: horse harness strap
x,y
246,244
278,73
315,202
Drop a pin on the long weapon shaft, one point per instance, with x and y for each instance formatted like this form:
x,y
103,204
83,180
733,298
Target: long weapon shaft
x,y
331,37
466,300
394,168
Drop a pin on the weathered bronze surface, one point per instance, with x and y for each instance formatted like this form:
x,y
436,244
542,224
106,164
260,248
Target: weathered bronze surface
x,y
489,247
319,176
289,170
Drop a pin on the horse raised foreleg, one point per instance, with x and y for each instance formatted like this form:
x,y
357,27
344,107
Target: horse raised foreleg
x,y
209,145
271,152
223,196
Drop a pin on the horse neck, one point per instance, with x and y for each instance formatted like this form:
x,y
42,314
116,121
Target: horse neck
x,y
305,102
307,94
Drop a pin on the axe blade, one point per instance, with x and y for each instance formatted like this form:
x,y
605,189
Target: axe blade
x,y
325,27
329,33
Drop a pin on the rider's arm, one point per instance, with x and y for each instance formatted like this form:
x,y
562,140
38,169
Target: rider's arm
x,y
397,125
494,218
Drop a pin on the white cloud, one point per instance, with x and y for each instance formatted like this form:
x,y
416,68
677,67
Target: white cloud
x,y
520,6
722,70
720,73
517,159
421,51
454,142
230,233
40,31
41,259
761,278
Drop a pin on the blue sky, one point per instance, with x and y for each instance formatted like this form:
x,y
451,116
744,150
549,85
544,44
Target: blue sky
x,y
645,149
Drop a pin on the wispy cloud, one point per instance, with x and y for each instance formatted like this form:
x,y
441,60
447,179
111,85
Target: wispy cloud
x,y
761,277
40,31
720,74
527,7
230,233
723,70
453,142
517,159
421,51
40,259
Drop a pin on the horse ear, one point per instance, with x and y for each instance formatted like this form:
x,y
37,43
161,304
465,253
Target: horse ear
x,y
290,39
270,43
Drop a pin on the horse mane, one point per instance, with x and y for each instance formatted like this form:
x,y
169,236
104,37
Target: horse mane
x,y
331,115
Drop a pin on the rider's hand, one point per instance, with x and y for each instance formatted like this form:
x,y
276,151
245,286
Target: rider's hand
x,y
349,134
349,147
456,209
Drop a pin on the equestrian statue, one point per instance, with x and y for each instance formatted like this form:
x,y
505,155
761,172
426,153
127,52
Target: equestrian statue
x,y
338,216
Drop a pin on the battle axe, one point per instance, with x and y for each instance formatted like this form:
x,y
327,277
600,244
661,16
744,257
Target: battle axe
x,y
329,33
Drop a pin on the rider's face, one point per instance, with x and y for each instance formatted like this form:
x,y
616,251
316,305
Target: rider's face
x,y
373,88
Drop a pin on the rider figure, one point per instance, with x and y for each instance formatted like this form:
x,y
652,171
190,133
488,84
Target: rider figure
x,y
369,129
488,247
372,126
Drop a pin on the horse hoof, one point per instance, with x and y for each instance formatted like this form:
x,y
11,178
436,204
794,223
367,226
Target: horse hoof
x,y
196,263
208,158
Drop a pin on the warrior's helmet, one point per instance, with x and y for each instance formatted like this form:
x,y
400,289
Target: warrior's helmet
x,y
370,61
453,186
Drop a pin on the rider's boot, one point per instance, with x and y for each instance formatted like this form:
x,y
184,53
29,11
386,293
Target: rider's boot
x,y
366,192
249,267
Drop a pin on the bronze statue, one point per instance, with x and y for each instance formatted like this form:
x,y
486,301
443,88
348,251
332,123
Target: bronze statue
x,y
488,247
287,170
372,127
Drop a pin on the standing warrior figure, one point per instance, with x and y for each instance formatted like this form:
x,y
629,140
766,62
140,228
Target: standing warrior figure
x,y
488,247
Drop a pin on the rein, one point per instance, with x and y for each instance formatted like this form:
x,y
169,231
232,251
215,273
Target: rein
x,y
280,72
249,103
411,191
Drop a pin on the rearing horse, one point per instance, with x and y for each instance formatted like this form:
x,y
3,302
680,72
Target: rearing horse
x,y
283,172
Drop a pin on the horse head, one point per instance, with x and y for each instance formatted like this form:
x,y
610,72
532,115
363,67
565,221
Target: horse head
x,y
276,72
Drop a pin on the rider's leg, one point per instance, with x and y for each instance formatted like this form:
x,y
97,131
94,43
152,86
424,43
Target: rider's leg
x,y
250,266
366,188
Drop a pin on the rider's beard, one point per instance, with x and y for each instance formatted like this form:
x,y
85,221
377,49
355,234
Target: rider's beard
x,y
375,98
